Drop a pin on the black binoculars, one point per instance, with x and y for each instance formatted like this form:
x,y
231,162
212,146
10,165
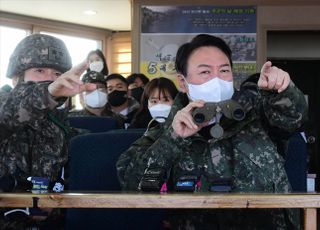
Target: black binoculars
x,y
230,108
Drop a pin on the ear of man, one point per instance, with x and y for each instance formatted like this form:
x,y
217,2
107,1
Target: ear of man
x,y
183,85
16,80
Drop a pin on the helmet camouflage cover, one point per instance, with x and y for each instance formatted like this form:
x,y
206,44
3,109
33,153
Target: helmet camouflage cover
x,y
94,77
39,51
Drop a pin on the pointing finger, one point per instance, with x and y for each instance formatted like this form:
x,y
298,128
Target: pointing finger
x,y
263,79
266,67
80,68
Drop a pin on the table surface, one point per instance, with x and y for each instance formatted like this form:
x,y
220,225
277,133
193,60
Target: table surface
x,y
156,200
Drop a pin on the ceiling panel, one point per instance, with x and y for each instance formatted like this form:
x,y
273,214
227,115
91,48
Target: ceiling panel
x,y
113,15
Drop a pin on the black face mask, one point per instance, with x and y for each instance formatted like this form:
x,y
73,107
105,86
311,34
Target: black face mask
x,y
117,98
136,93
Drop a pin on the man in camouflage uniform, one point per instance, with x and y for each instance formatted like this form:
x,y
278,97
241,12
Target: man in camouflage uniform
x,y
33,135
243,158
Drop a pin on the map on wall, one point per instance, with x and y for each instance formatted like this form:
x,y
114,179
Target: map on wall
x,y
165,28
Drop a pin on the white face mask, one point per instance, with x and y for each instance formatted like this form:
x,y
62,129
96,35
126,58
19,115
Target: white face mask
x,y
215,90
96,66
95,99
160,112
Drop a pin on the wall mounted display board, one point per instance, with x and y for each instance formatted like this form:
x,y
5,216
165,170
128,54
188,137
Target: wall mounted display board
x,y
165,28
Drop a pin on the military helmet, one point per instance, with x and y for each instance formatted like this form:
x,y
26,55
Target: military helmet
x,y
94,77
39,51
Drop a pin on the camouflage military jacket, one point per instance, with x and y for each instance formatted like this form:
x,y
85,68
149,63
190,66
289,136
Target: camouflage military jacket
x,y
242,154
246,154
33,133
135,156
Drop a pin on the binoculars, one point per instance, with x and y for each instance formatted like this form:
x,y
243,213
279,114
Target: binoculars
x,y
230,108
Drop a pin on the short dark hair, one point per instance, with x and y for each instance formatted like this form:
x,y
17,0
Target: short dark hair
x,y
200,40
165,86
116,76
131,78
105,69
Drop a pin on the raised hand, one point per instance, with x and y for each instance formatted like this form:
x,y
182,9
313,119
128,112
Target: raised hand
x,y
69,83
273,78
183,124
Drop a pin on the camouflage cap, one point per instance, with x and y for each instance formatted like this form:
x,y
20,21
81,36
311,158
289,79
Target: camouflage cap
x,y
94,77
39,50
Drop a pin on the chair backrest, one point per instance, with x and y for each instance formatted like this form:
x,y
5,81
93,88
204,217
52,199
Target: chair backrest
x,y
296,163
92,168
93,123
93,158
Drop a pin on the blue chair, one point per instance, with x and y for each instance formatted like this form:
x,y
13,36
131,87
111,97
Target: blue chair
x,y
93,157
92,168
296,163
94,124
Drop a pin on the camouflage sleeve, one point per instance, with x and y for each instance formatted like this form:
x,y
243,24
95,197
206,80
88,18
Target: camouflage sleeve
x,y
161,148
286,110
25,104
130,164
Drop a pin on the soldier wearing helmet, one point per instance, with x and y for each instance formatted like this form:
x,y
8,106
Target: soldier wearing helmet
x,y
93,102
33,133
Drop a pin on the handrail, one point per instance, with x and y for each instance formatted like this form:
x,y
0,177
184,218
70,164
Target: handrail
x,y
151,200
308,201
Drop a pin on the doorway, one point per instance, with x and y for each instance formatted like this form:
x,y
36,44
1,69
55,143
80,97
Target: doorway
x,y
298,53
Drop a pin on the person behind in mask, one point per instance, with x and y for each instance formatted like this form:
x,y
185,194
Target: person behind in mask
x,y
97,62
120,106
157,99
93,102
136,83
33,133
190,156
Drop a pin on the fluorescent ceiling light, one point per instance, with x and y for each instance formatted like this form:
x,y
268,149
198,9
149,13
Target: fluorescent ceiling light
x,y
90,12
